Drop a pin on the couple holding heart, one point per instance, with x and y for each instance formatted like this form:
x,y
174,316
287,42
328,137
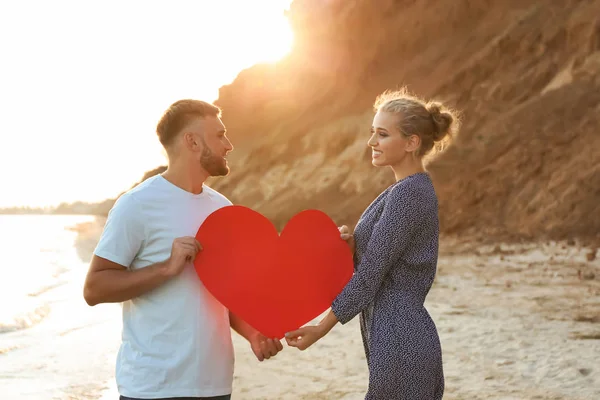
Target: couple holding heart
x,y
176,339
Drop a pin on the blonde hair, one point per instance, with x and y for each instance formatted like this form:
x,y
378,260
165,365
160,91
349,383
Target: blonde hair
x,y
432,122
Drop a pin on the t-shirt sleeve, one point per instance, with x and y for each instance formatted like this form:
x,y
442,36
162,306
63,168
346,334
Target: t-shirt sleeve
x,y
124,232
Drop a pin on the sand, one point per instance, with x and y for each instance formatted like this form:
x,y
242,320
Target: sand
x,y
516,321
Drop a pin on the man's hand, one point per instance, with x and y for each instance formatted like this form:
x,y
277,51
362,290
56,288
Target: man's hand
x,y
263,347
183,251
346,235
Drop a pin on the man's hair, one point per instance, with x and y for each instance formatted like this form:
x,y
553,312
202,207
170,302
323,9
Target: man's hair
x,y
179,114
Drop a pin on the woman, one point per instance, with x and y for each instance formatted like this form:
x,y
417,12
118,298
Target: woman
x,y
395,246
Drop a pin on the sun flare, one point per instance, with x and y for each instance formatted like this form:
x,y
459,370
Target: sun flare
x,y
104,73
277,43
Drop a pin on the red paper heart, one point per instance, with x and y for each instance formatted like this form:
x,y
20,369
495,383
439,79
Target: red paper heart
x,y
274,283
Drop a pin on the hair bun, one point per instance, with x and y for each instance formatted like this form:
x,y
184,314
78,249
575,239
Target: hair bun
x,y
442,120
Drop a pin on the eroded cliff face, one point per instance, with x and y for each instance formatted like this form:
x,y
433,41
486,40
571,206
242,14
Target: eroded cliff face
x,y
524,74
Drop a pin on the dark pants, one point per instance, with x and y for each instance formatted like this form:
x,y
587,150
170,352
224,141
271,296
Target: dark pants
x,y
226,397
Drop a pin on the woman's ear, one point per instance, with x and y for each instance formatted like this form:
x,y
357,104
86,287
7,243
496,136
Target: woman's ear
x,y
413,143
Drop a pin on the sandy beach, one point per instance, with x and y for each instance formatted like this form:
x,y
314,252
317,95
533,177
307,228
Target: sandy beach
x,y
516,298
516,322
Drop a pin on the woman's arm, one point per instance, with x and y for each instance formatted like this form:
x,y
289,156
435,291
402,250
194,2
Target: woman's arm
x,y
400,220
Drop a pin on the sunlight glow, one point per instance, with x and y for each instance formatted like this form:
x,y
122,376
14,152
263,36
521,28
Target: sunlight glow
x,y
83,84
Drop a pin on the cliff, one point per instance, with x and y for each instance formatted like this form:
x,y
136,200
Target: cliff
x,y
524,74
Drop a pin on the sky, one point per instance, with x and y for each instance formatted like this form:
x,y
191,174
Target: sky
x,y
83,84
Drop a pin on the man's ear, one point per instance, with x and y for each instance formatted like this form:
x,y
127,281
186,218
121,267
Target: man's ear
x,y
191,141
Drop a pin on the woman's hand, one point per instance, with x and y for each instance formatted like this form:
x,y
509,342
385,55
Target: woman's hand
x,y
304,337
346,235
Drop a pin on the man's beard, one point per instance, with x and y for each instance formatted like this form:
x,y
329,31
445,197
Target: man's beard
x,y
214,165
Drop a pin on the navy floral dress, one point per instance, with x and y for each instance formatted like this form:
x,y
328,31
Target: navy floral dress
x,y
395,264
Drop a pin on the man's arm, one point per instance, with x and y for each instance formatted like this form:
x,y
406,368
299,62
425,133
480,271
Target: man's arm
x,y
110,282
241,327
263,347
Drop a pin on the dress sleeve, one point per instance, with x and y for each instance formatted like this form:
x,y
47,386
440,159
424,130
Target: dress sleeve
x,y
400,220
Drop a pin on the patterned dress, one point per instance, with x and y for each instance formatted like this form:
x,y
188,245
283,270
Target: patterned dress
x,y
395,265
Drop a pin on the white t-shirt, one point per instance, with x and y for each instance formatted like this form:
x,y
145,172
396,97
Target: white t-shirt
x,y
176,339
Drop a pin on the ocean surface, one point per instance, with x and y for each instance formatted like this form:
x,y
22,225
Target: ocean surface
x,y
52,344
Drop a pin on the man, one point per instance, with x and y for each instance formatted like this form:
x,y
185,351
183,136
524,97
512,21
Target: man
x,y
176,340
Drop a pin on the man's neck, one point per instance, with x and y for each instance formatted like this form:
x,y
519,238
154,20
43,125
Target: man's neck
x,y
185,177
